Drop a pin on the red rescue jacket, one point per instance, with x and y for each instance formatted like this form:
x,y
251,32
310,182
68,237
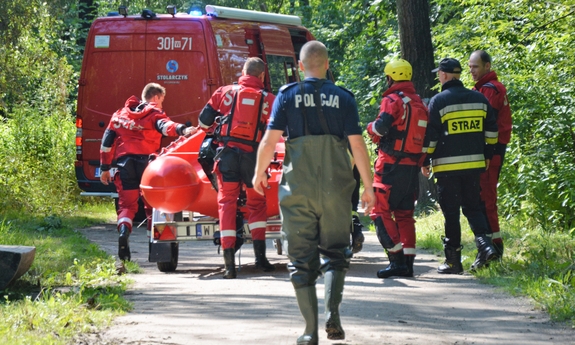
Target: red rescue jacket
x,y
400,125
249,102
496,94
136,129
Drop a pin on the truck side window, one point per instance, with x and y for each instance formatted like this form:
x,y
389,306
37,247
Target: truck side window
x,y
282,71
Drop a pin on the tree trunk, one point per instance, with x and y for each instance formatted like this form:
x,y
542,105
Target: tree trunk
x,y
416,47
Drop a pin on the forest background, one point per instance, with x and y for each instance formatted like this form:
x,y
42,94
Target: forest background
x,y
531,43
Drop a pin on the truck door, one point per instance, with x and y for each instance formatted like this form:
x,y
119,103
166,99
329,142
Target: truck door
x,y
112,71
279,55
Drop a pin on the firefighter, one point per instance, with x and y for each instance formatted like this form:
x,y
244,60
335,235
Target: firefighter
x,y
240,112
486,82
317,184
133,133
399,131
460,138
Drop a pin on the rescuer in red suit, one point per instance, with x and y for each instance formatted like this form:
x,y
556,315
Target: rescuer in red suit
x,y
486,82
134,132
240,113
399,131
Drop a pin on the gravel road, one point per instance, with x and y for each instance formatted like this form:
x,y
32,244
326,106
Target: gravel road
x,y
194,305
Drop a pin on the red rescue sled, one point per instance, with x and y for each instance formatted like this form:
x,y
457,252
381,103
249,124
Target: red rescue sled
x,y
185,204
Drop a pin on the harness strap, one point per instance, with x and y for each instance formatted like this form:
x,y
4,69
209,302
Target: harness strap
x,y
317,100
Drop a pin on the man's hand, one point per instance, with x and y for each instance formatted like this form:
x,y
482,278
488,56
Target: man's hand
x,y
190,130
260,182
368,200
426,171
487,162
106,177
374,137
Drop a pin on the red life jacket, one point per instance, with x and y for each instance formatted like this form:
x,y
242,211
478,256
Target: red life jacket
x,y
408,131
244,123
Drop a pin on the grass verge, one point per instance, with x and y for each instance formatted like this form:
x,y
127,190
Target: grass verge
x,y
72,287
538,264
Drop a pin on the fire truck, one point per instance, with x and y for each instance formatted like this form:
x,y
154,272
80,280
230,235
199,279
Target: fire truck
x,y
191,55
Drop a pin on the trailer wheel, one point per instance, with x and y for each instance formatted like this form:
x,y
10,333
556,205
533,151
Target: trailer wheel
x,y
278,245
171,265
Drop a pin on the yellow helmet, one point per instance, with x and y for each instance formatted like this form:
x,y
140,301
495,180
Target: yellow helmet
x,y
398,70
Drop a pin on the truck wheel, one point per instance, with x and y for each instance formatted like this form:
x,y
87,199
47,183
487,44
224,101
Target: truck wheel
x,y
171,265
278,245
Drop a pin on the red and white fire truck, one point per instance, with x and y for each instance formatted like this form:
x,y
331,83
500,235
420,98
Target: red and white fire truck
x,y
191,55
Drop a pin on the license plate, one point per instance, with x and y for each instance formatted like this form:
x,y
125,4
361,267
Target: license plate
x,y
205,230
98,173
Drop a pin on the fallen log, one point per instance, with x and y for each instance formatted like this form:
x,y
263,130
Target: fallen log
x,y
14,262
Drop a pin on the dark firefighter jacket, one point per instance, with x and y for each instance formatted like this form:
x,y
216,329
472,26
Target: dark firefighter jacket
x,y
462,130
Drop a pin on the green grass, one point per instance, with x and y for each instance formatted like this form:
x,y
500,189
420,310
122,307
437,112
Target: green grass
x,y
72,286
538,264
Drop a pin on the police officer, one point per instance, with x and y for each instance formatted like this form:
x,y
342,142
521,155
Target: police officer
x,y
317,183
399,131
133,133
460,138
242,115
486,82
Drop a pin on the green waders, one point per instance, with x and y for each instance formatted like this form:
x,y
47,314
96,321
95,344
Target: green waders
x,y
315,204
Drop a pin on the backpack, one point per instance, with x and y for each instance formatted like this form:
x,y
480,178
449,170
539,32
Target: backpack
x,y
244,123
405,139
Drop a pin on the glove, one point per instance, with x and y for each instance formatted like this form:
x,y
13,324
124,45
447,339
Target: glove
x,y
374,137
190,130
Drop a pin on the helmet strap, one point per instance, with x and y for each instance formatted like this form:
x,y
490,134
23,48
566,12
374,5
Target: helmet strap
x,y
389,81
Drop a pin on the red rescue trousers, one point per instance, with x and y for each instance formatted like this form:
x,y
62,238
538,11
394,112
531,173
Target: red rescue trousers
x,y
395,188
234,169
488,181
127,181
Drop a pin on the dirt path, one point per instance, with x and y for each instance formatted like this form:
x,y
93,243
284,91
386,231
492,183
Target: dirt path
x,y
195,305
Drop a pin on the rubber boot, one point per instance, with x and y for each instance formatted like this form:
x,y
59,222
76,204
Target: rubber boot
x,y
333,281
452,264
357,237
485,252
397,266
409,259
124,243
230,263
262,262
307,303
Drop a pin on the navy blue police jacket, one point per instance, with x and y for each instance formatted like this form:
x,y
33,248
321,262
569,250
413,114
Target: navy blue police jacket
x,y
338,106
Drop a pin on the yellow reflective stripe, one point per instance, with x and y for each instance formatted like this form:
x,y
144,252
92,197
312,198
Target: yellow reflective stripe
x,y
459,159
463,114
491,137
462,107
431,148
458,166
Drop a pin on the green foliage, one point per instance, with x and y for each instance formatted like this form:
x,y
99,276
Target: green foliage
x,y
536,264
36,163
72,286
532,46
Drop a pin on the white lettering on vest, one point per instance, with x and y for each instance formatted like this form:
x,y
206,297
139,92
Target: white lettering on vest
x,y
228,99
308,100
333,101
265,107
